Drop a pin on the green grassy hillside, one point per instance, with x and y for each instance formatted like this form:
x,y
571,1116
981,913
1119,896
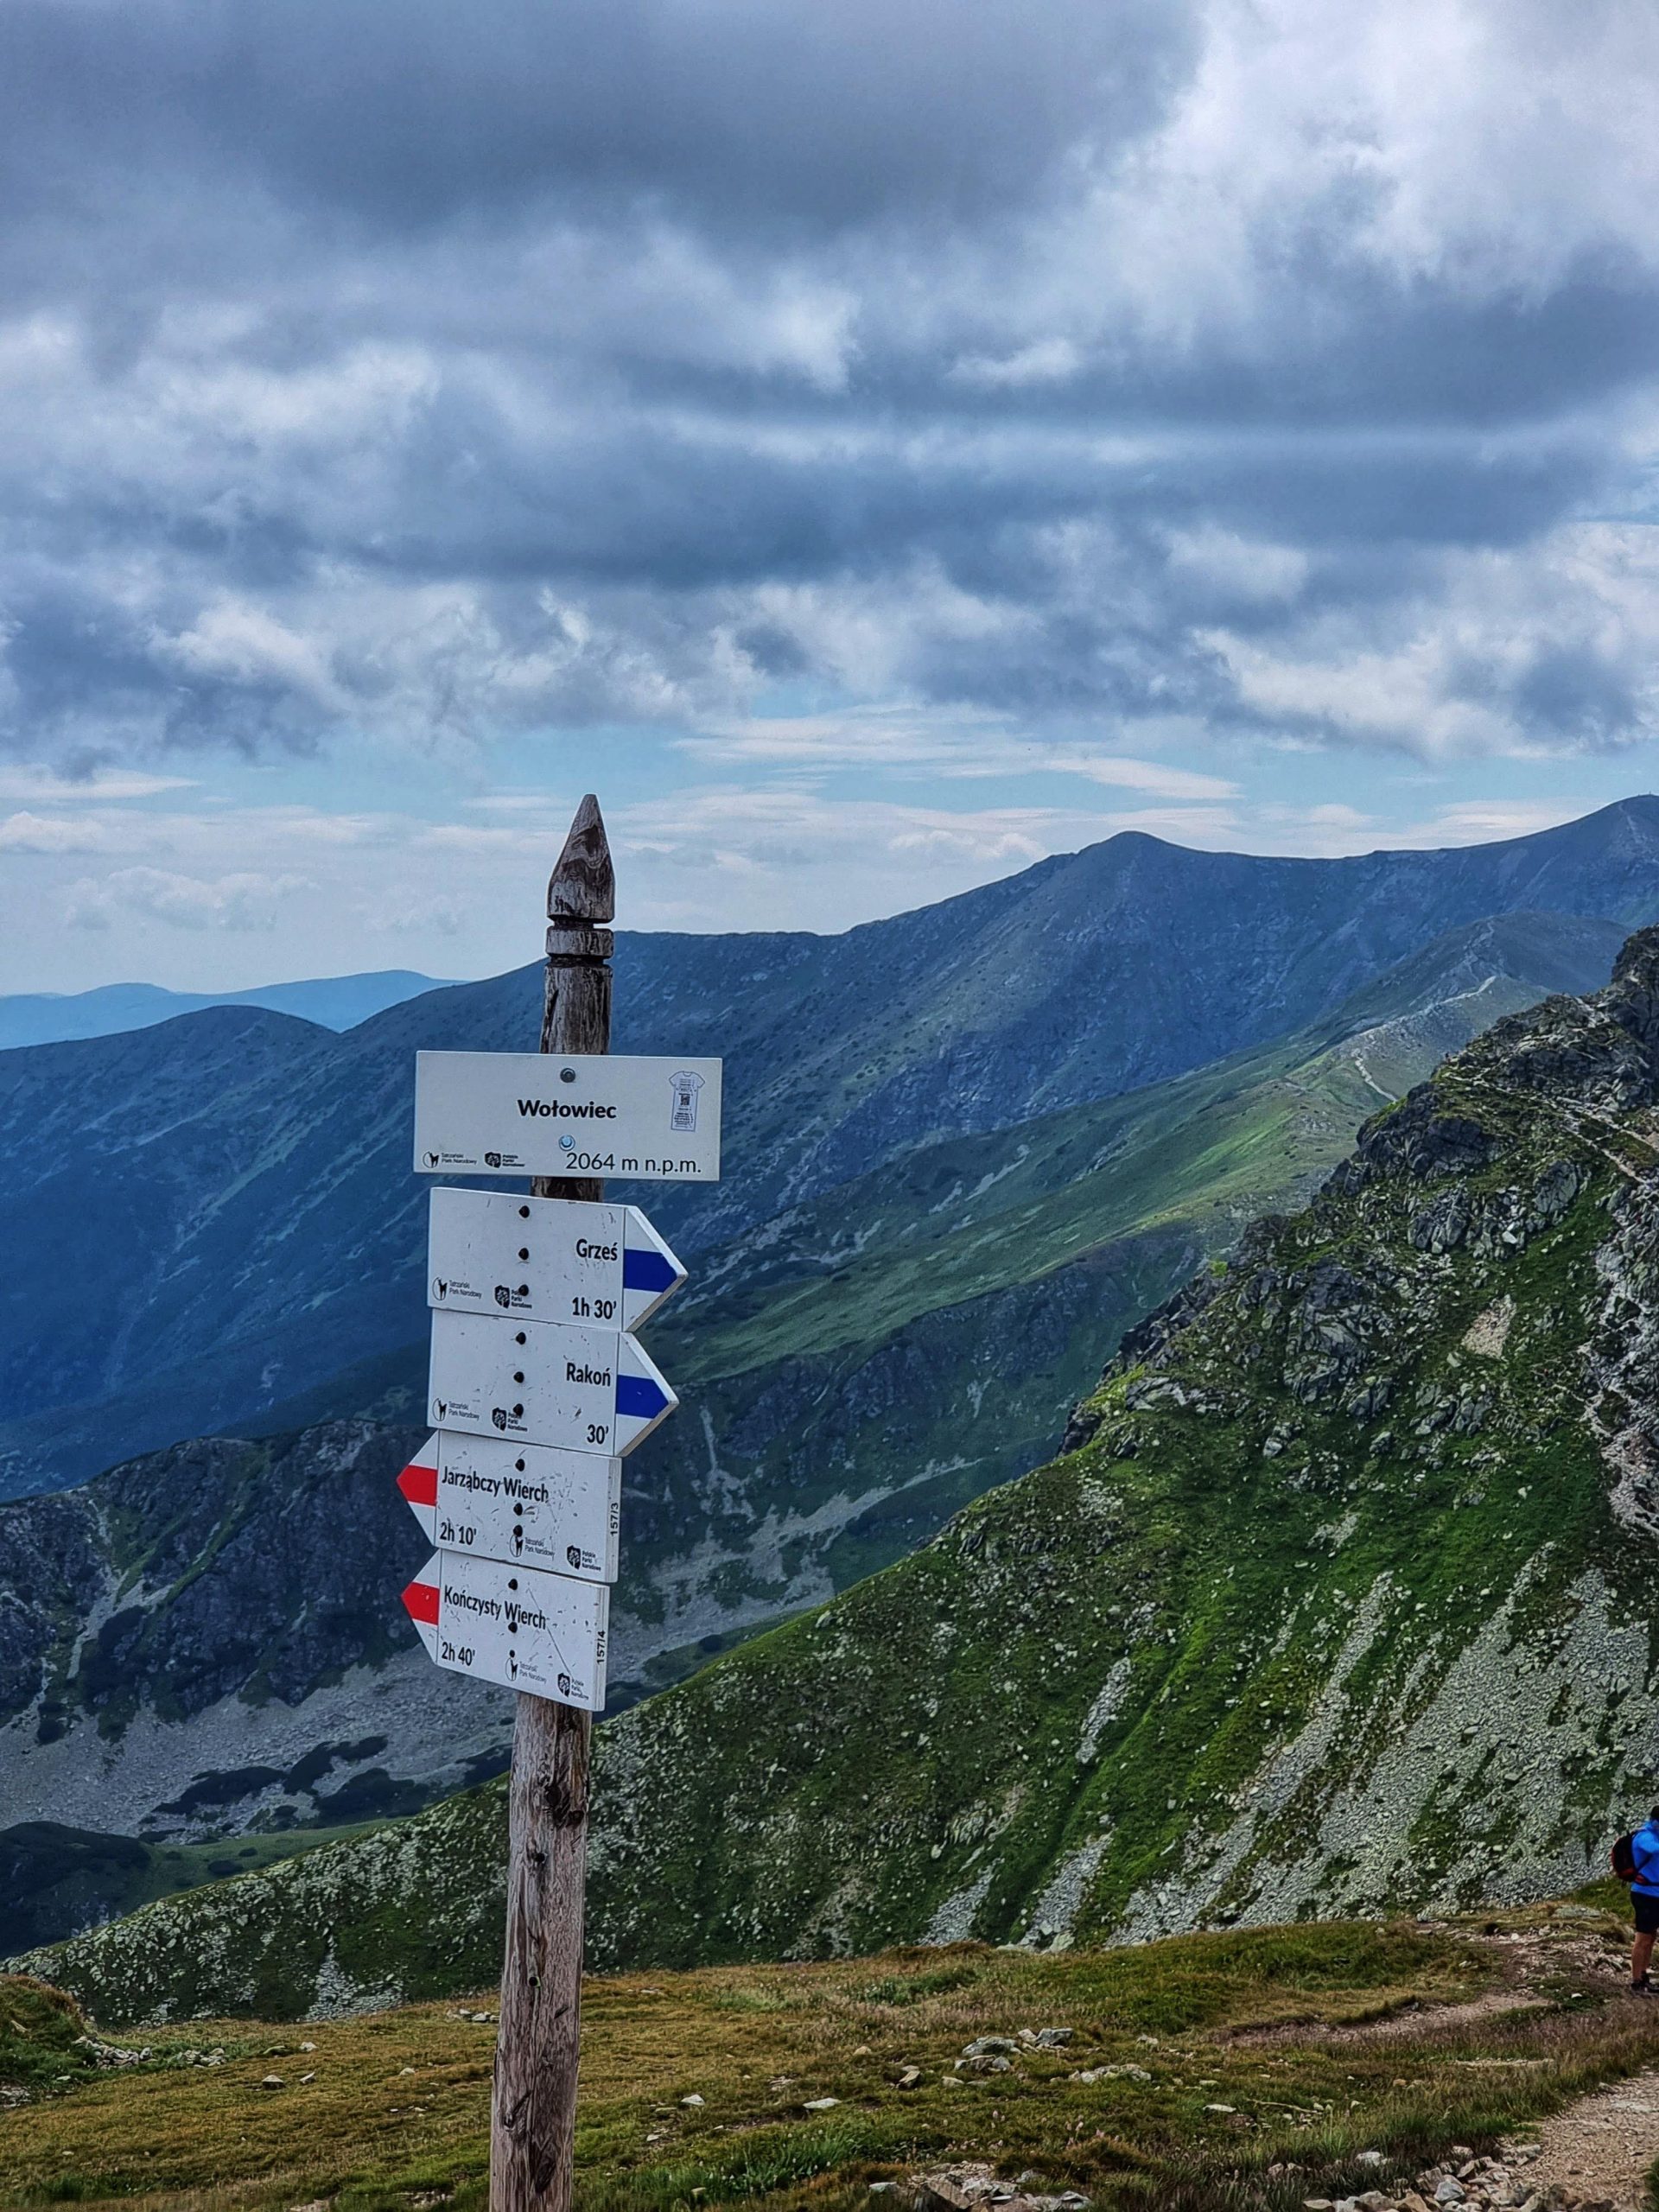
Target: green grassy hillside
x,y
1341,1600
854,1374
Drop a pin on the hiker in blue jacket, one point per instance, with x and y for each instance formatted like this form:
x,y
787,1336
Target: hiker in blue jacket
x,y
1645,1900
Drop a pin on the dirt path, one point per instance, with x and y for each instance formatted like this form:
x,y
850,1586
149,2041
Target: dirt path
x,y
1602,2146
1497,2003
1414,2020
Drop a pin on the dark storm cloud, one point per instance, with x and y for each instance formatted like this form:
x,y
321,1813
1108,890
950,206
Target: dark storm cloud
x,y
418,365
736,112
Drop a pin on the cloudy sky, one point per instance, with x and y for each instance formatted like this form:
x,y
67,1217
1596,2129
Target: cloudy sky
x,y
872,445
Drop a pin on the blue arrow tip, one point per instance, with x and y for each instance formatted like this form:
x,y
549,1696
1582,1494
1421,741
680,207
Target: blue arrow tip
x,y
637,1398
646,1270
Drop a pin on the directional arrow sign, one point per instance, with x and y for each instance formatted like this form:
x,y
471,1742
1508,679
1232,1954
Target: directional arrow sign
x,y
502,1622
491,1498
546,1259
587,1389
576,1114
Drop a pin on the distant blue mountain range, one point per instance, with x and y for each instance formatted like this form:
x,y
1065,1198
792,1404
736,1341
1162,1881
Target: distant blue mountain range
x,y
332,1002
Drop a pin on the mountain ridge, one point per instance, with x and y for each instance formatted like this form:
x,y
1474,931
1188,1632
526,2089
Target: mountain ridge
x,y
1339,1601
264,1231
112,1009
818,1443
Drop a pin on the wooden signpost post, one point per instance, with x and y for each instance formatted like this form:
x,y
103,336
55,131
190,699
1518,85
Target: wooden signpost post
x,y
533,2107
536,1390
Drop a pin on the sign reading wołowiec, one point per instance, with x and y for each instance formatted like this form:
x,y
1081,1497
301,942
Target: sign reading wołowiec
x,y
504,1622
577,1114
492,1499
546,1259
539,1383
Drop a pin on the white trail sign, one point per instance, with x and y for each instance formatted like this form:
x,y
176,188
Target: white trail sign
x,y
538,1382
581,1115
546,1259
486,1496
501,1623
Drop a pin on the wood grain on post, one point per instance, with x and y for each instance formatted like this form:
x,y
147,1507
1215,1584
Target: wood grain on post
x,y
533,2107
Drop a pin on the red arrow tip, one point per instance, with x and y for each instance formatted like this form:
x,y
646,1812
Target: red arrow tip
x,y
421,1602
419,1485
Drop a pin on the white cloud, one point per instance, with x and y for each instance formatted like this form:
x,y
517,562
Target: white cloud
x,y
1043,361
245,900
1549,649
1156,778
1485,822
39,833
38,781
950,744
1221,560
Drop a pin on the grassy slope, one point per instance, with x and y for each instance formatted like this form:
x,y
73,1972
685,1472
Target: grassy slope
x,y
1154,1673
377,2113
1191,1158
1255,1132
1244,1655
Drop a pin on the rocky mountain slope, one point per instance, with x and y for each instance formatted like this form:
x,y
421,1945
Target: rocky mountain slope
x,y
1339,1597
208,1640
207,1220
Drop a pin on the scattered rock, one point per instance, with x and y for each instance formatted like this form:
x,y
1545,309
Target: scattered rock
x,y
1055,2038
694,2098
812,2104
273,2081
990,2047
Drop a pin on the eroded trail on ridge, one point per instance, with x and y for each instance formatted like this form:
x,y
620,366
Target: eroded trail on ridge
x,y
1602,2146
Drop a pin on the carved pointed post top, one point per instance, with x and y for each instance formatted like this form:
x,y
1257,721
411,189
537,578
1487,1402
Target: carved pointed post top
x,y
576,1006
582,887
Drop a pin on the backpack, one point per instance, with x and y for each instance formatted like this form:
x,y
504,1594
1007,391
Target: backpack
x,y
1623,1858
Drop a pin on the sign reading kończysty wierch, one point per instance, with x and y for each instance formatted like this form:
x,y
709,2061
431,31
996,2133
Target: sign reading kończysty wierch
x,y
536,1388
575,1115
513,1624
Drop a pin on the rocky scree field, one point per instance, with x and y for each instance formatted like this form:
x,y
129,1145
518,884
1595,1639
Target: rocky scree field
x,y
1356,2065
1339,1599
